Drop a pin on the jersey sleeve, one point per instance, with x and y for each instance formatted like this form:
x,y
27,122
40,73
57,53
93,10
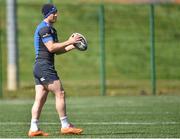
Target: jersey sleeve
x,y
45,34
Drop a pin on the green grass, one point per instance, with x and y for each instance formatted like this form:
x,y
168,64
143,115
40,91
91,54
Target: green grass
x,y
100,117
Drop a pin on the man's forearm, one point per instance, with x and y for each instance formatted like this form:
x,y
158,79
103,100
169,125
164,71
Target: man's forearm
x,y
57,47
66,49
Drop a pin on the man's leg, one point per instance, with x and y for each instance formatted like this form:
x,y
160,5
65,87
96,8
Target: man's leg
x,y
40,99
58,90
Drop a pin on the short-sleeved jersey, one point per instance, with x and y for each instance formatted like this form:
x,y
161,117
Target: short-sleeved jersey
x,y
44,32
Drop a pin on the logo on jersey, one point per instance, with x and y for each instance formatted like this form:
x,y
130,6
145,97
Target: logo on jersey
x,y
42,79
46,35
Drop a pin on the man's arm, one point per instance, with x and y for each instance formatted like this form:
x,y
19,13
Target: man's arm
x,y
62,47
66,49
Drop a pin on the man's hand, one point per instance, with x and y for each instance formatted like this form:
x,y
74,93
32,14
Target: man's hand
x,y
74,38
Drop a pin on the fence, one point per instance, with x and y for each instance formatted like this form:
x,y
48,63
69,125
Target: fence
x,y
127,47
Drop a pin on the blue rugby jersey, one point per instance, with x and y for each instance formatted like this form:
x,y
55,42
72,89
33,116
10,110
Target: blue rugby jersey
x,y
44,32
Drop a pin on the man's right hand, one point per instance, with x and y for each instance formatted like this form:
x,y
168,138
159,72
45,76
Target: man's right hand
x,y
74,38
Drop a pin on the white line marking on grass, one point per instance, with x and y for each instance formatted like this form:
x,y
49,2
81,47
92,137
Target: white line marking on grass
x,y
117,113
96,123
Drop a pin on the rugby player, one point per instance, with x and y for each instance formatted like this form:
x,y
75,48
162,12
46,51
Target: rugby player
x,y
46,46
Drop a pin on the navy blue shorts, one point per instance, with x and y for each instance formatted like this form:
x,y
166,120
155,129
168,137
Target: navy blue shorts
x,y
44,72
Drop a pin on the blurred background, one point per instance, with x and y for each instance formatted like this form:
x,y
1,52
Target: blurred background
x,y
133,47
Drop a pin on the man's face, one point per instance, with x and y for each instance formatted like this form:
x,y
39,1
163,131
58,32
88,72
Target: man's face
x,y
53,17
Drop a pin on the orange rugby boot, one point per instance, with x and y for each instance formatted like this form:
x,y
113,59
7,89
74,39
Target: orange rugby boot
x,y
37,133
71,130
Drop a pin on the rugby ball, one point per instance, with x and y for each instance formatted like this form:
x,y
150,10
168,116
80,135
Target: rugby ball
x,y
82,44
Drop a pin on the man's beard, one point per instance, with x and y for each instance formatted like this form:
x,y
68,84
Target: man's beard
x,y
53,21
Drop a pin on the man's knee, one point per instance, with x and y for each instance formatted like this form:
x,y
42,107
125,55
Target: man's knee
x,y
60,94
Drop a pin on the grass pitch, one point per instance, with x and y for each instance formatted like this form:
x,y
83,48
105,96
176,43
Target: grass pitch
x,y
101,117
